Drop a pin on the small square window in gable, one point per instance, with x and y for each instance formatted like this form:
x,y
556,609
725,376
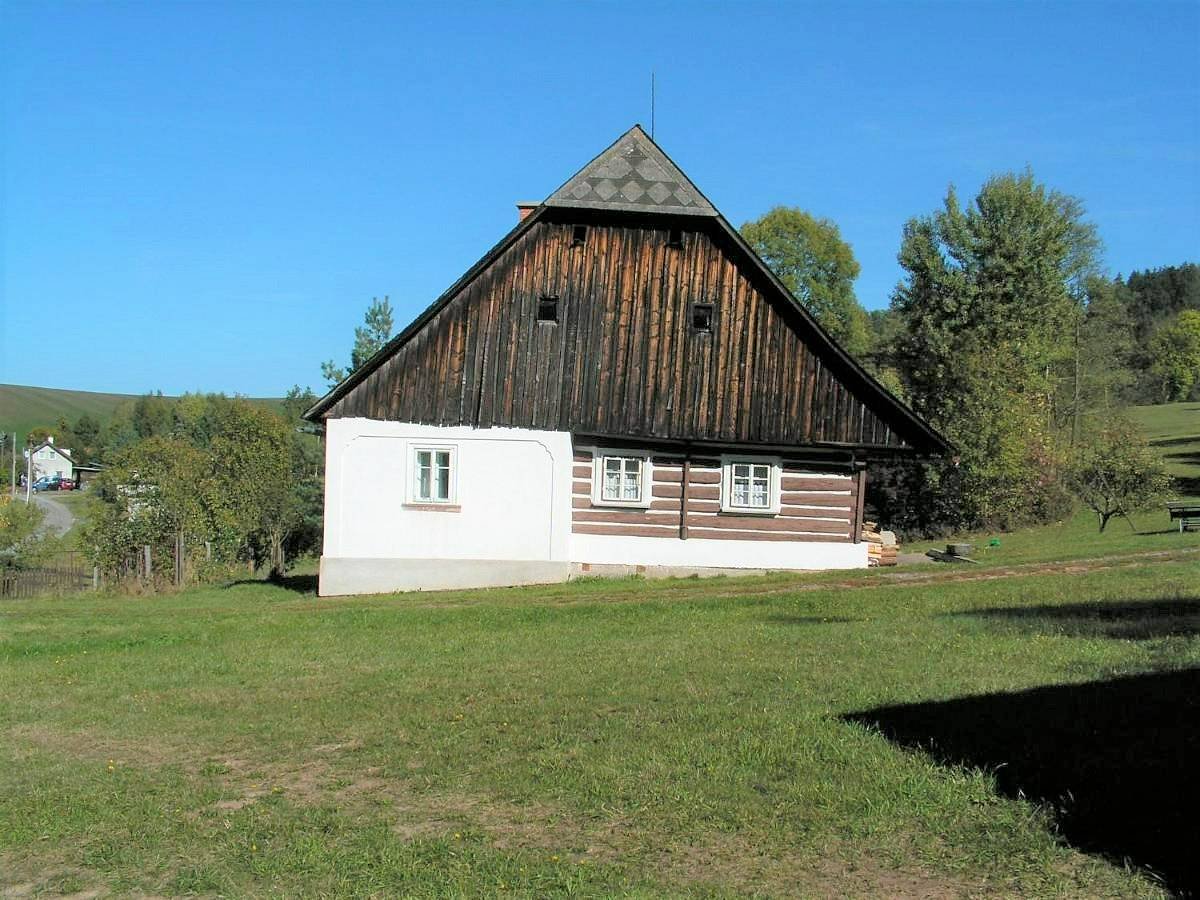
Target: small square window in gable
x,y
702,318
547,310
578,235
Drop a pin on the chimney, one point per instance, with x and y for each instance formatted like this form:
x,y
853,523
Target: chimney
x,y
525,207
49,439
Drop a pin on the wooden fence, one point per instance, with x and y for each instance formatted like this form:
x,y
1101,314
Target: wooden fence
x,y
64,573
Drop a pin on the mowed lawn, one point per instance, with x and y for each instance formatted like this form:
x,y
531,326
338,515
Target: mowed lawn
x,y
778,736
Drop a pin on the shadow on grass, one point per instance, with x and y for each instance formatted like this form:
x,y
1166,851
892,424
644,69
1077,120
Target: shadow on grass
x,y
301,584
1118,762
1176,442
1129,620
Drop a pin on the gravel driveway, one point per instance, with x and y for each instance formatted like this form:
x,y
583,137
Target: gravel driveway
x,y
58,519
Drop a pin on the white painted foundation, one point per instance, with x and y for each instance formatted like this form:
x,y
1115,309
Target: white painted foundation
x,y
604,549
509,524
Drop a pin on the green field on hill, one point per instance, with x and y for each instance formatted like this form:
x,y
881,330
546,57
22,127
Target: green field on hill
x,y
1174,430
23,408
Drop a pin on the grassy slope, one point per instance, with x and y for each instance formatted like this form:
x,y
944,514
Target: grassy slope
x,y
1174,428
705,738
23,408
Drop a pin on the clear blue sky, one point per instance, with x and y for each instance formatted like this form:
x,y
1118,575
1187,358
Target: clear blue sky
x,y
205,196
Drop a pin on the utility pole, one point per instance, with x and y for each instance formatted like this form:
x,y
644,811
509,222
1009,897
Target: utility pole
x,y
28,473
14,466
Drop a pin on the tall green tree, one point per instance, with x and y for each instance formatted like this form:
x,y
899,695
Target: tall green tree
x,y
368,338
1175,357
810,257
989,303
1099,373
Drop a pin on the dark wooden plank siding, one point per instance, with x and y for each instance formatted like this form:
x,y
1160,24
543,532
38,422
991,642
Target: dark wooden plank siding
x,y
623,359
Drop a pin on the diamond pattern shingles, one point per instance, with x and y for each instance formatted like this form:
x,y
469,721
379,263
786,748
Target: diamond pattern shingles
x,y
632,174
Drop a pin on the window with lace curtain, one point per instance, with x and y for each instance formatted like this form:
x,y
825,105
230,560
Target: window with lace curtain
x,y
621,478
750,485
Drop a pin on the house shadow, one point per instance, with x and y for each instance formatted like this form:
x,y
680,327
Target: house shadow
x,y
1116,762
300,584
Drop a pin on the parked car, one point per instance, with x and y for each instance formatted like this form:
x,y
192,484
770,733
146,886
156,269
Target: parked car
x,y
49,483
66,485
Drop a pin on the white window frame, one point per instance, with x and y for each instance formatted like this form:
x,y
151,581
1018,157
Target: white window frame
x,y
411,491
774,494
599,455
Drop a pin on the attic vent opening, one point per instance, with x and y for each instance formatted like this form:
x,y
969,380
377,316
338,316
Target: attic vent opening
x,y
547,310
675,238
578,235
702,318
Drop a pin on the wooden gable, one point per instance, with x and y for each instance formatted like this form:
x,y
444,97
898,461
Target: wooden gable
x,y
624,356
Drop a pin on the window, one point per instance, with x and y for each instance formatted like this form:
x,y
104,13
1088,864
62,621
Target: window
x,y
621,478
750,486
548,310
578,235
702,317
433,475
675,238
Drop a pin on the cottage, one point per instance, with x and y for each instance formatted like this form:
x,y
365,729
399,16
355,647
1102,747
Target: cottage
x,y
47,459
619,385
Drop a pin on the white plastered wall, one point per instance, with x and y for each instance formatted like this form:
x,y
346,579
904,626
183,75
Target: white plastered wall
x,y
512,524
608,549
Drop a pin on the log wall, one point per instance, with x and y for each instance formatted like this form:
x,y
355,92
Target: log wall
x,y
816,506
623,357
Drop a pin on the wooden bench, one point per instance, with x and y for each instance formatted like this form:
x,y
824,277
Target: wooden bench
x,y
1186,511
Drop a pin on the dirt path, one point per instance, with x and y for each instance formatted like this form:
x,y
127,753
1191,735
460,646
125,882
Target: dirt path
x,y
59,518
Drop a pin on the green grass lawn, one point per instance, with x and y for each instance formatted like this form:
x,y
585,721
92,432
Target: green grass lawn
x,y
1079,536
772,736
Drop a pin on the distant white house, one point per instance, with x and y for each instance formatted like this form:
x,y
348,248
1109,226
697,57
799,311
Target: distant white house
x,y
47,459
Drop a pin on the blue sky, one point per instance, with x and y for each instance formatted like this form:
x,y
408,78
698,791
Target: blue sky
x,y
206,196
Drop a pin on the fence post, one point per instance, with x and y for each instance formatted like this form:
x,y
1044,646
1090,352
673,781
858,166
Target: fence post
x,y
95,578
146,567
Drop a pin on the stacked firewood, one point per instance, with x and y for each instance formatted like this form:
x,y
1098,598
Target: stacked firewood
x,y
882,548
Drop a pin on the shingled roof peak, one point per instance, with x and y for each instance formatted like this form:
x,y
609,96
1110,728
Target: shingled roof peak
x,y
634,175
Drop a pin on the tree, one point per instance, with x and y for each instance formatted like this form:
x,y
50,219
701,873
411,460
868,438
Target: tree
x,y
1175,355
20,531
817,266
368,338
38,435
151,494
229,474
296,401
1100,371
1117,473
252,456
988,306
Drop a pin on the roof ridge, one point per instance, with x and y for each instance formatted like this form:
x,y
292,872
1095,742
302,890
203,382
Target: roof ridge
x,y
633,174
